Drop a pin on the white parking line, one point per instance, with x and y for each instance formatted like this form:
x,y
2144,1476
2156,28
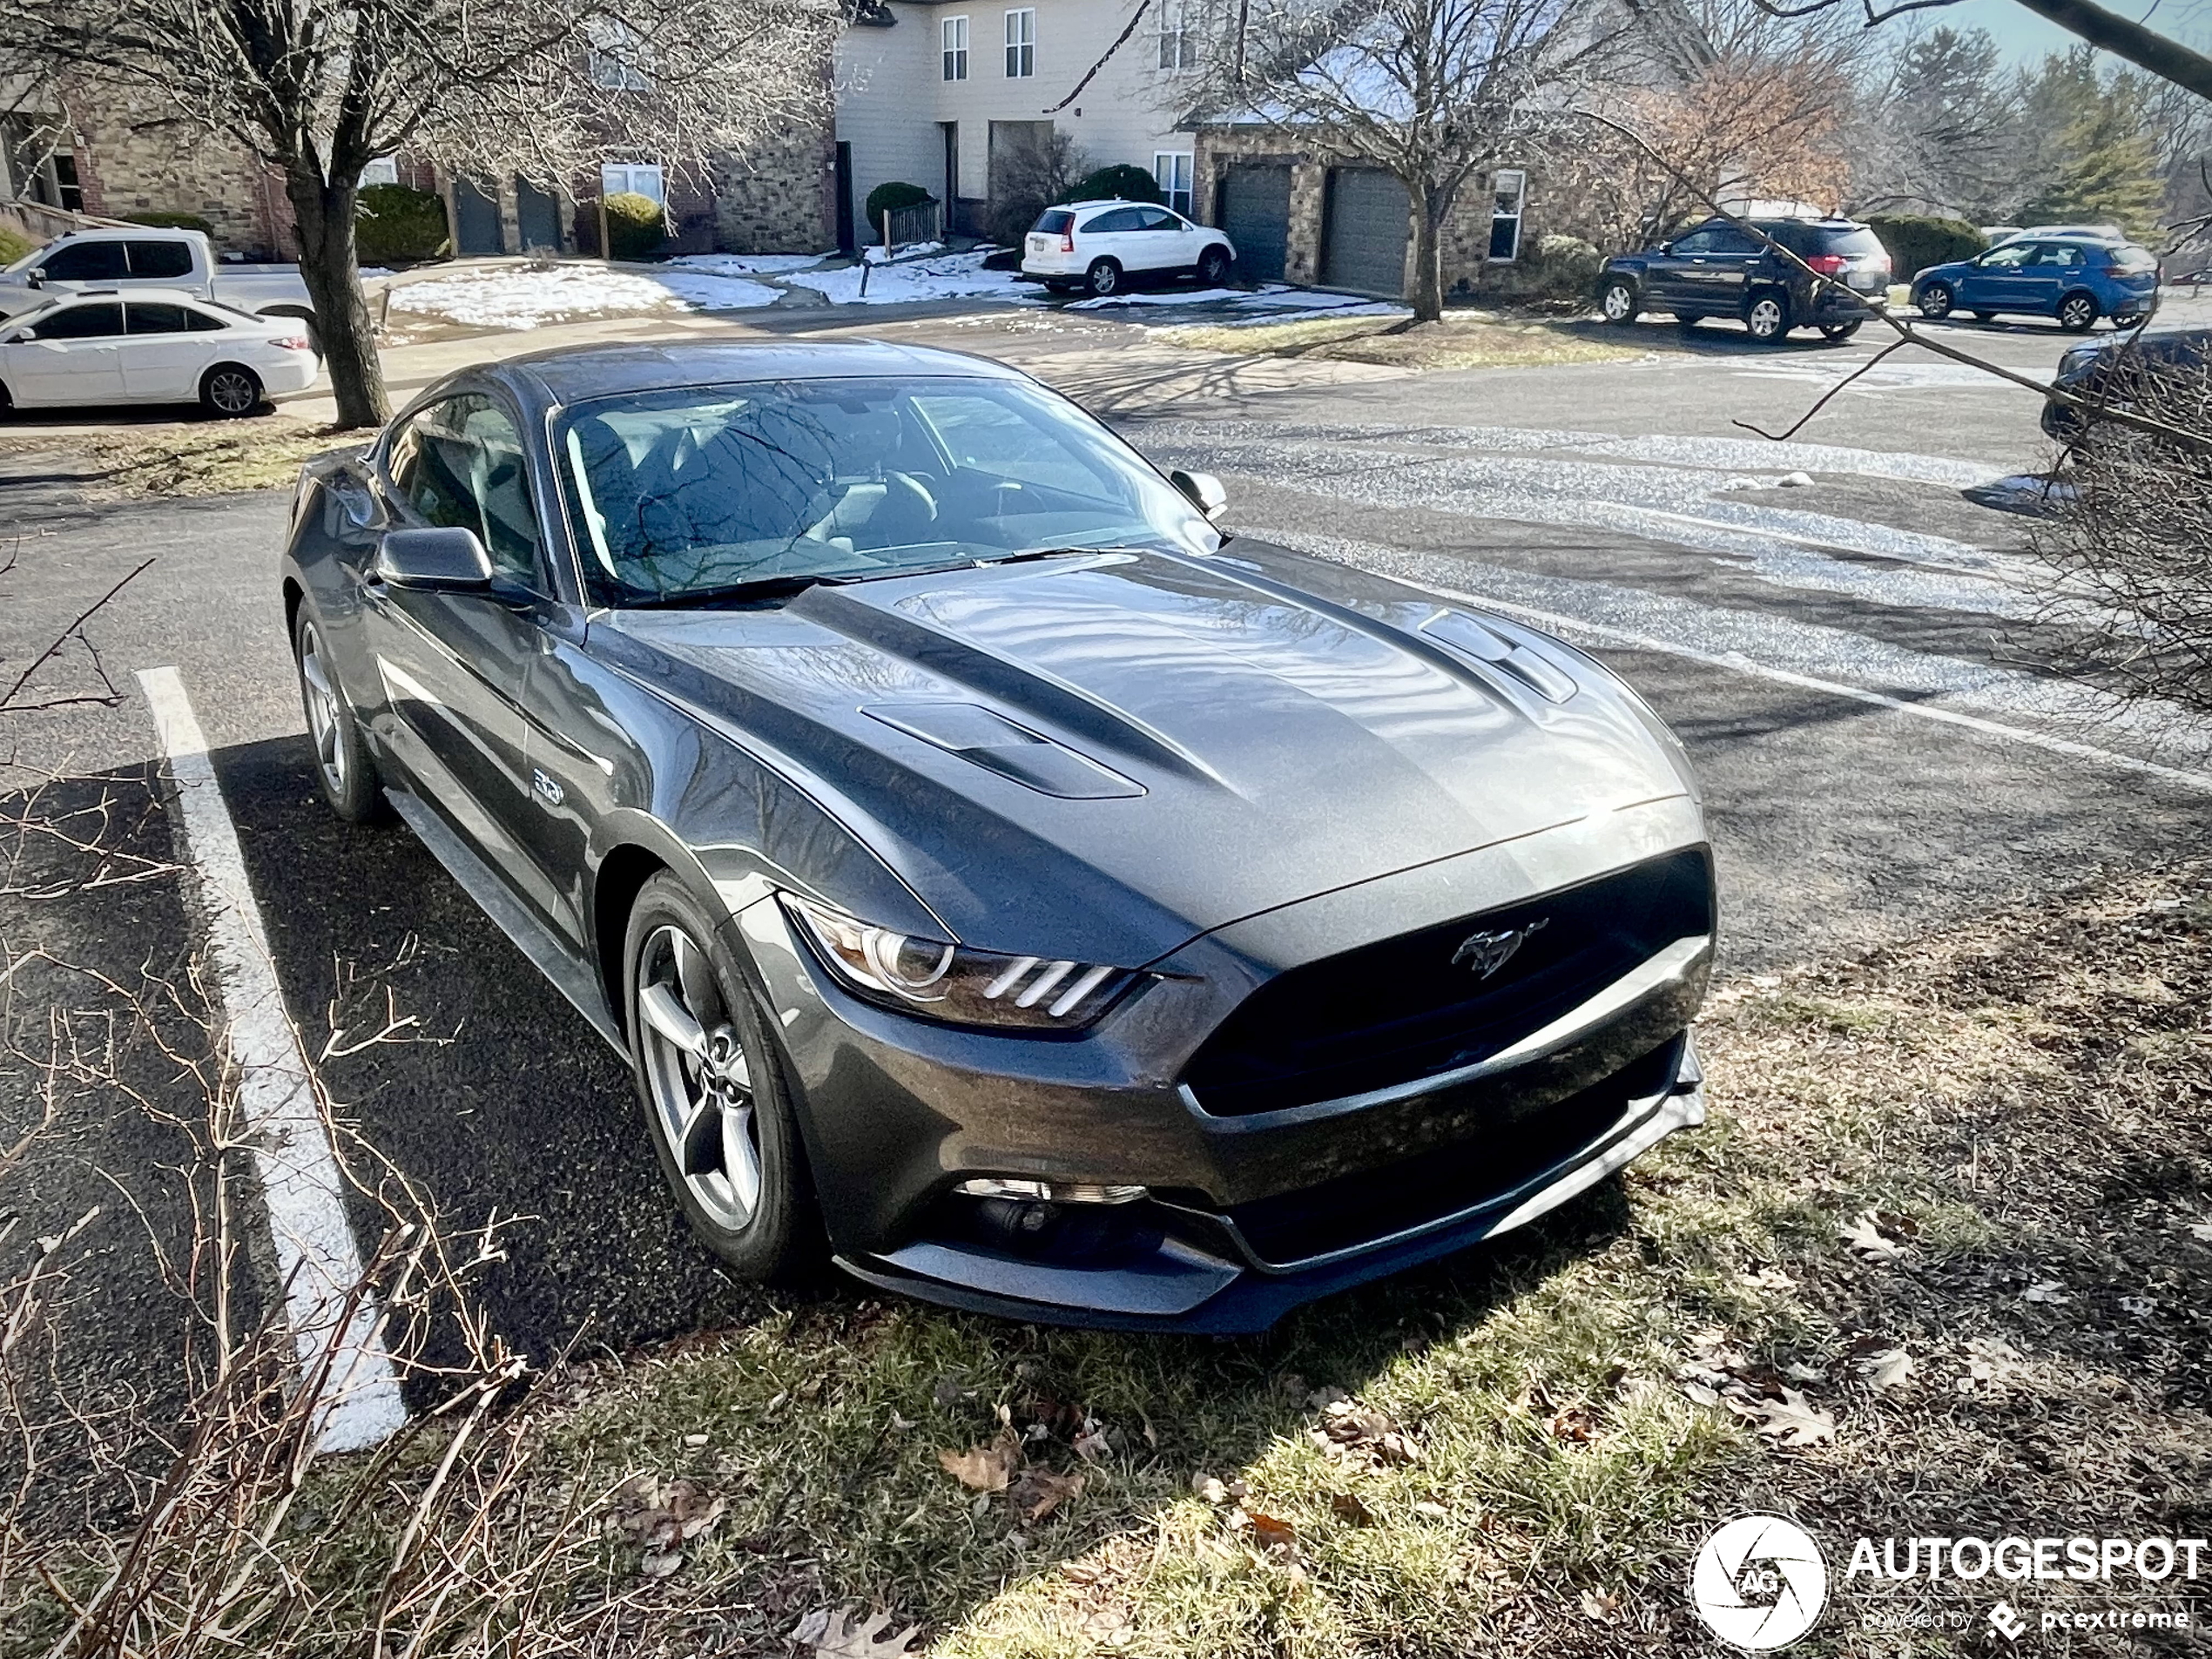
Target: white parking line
x,y
316,1256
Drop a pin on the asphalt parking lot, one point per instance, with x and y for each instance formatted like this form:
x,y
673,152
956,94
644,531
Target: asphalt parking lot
x,y
1844,630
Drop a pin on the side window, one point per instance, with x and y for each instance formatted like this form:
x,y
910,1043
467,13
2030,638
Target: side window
x,y
459,462
1696,242
2060,255
1122,218
1156,219
86,262
149,318
159,258
82,322
1728,240
2010,256
199,320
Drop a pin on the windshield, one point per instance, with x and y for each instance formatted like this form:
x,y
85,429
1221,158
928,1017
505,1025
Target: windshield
x,y
710,488
29,260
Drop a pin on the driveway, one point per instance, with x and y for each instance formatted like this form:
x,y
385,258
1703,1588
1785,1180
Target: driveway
x,y
1841,629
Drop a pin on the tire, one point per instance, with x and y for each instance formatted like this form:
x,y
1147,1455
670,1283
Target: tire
x,y
345,770
1213,266
1103,278
1985,316
1838,332
701,1056
1936,300
7,403
1688,319
1619,301
2078,312
1767,316
229,390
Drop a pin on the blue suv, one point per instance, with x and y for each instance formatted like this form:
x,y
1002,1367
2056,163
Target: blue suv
x,y
2076,279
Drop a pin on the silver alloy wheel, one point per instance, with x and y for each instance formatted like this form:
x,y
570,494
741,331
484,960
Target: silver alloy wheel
x,y
1765,318
699,1077
1617,303
1935,301
2078,312
233,390
1104,277
320,695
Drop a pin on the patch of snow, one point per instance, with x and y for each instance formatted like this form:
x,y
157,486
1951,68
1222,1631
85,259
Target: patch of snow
x,y
951,276
520,297
747,264
874,253
1161,297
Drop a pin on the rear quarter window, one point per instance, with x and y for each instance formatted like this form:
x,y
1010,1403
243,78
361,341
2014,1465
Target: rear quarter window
x,y
2128,257
1054,220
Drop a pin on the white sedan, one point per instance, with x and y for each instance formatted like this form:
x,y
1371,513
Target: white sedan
x,y
1099,245
154,346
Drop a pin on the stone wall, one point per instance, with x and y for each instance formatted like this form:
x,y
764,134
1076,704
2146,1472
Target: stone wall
x,y
136,156
779,197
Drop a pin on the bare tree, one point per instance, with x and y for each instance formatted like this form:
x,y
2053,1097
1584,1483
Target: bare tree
x,y
1433,92
1946,131
318,88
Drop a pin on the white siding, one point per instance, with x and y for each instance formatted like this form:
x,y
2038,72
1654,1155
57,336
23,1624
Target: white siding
x,y
890,95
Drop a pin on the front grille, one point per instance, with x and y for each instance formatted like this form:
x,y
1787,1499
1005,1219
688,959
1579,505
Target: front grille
x,y
1371,1205
1401,1011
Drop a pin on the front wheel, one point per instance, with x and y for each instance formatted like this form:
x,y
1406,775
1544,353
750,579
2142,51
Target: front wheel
x,y
345,770
1768,318
230,390
2078,314
1985,316
1618,300
1688,319
1838,332
1936,299
716,1107
1213,266
1103,278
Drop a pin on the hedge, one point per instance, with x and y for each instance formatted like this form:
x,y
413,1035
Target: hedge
x,y
1119,182
394,225
1918,241
888,198
636,226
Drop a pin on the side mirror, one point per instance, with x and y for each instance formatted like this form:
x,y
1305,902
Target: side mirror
x,y
445,560
1204,491
1664,247
21,337
35,278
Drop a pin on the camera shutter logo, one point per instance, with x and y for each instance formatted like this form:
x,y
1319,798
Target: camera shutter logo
x,y
1759,1583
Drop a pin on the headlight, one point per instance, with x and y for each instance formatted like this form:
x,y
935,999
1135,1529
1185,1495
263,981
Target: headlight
x,y
953,983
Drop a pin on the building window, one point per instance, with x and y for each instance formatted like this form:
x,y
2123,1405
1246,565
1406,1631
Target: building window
x,y
1508,187
952,34
1178,37
385,170
633,179
1171,171
1021,43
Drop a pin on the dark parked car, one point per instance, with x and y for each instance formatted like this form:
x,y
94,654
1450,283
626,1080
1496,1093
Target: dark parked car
x,y
1720,269
2076,280
982,860
2114,374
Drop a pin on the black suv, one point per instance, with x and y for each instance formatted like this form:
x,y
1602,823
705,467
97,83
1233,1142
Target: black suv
x,y
1722,270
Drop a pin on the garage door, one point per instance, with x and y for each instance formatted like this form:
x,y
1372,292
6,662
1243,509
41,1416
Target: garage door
x,y
1363,245
475,214
1255,212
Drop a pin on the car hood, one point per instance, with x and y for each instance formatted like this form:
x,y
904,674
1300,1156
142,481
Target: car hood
x,y
1103,756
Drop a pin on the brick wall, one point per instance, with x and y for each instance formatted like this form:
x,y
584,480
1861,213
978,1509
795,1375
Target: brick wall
x,y
134,156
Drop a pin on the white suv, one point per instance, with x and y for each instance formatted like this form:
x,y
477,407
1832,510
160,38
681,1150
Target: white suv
x,y
1099,245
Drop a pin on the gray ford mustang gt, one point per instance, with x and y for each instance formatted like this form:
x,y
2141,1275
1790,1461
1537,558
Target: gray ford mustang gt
x,y
993,870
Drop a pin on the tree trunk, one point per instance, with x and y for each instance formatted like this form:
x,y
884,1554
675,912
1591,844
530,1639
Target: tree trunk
x,y
1425,284
324,211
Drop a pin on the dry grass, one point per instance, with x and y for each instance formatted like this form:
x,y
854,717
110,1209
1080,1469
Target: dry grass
x,y
13,247
2024,1106
1464,340
184,457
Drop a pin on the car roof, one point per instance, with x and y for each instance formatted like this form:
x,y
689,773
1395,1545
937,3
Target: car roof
x,y
166,296
571,373
1109,201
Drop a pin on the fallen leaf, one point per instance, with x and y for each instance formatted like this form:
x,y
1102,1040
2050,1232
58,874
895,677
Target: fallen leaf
x,y
695,1439
809,1629
1797,1372
1210,1489
1789,1420
1702,1394
1273,1534
659,1563
1346,1506
1865,1238
985,1469
2141,1306
1604,1609
1892,1368
1351,1430
946,1392
1433,1509
1574,1424
1039,1492
847,1636
2202,1231
2045,1290
1091,1444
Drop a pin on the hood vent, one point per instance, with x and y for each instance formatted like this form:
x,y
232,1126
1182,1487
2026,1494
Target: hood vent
x,y
996,744
1493,652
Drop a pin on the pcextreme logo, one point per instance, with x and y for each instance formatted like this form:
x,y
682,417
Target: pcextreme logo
x,y
1758,1583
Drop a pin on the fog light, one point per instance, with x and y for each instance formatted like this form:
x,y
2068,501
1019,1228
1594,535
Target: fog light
x,y
993,1186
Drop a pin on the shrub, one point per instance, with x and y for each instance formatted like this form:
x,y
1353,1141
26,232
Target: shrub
x,y
394,225
172,222
1918,241
1026,176
12,246
1129,184
636,226
1566,267
889,198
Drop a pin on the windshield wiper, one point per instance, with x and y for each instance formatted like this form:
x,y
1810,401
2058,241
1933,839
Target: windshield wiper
x,y
765,587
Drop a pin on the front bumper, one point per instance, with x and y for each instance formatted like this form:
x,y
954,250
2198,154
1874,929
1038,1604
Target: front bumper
x,y
1246,1215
